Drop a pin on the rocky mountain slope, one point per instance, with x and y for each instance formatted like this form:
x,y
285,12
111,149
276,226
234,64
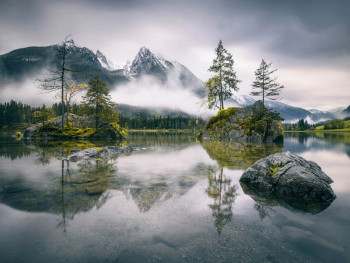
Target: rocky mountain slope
x,y
34,61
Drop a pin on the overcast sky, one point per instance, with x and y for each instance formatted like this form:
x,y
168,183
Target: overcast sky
x,y
308,41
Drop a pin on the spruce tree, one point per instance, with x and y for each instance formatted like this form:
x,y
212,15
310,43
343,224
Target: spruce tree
x,y
224,80
98,98
265,84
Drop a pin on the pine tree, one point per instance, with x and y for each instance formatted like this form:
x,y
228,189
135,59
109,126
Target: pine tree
x,y
265,84
97,97
224,81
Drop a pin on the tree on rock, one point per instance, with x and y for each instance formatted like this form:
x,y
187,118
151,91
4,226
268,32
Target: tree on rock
x,y
265,85
224,81
97,98
58,79
43,114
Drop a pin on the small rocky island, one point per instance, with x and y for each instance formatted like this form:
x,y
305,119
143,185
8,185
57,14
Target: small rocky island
x,y
254,123
289,180
76,127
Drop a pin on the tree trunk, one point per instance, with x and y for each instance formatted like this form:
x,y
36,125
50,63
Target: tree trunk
x,y
62,83
96,116
263,88
221,97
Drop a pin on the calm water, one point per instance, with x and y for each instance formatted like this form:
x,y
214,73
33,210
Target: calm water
x,y
172,200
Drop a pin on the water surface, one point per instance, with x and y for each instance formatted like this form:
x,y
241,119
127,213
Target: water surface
x,y
172,200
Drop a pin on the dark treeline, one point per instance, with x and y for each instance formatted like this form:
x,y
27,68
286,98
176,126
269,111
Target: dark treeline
x,y
158,122
303,125
16,115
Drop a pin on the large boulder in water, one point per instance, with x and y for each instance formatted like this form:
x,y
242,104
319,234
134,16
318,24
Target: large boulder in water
x,y
254,123
290,180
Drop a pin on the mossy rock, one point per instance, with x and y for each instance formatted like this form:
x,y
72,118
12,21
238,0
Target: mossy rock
x,y
254,123
53,130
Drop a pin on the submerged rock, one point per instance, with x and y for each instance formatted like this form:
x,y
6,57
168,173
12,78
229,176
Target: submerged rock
x,y
254,123
107,152
83,155
290,180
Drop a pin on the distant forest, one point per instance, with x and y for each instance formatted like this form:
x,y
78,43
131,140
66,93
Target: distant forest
x,y
16,115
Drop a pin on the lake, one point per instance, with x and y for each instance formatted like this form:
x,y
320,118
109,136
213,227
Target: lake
x,y
172,200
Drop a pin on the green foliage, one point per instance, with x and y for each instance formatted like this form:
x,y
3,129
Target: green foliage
x,y
98,98
14,114
260,120
273,170
221,118
334,124
265,85
224,81
68,132
43,115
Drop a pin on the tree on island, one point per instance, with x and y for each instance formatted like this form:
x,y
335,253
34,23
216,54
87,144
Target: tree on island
x,y
97,98
43,114
224,81
58,79
265,84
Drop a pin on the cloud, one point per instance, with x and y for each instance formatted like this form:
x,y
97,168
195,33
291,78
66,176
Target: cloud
x,y
291,34
150,92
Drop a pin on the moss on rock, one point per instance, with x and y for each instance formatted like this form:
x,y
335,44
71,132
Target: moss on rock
x,y
254,123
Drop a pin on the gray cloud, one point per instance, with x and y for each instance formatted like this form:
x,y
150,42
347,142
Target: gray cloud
x,y
292,34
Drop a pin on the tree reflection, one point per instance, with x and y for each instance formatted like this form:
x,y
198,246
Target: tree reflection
x,y
263,209
62,223
223,195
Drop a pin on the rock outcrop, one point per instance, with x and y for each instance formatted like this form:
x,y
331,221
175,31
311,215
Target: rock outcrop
x,y
289,180
107,152
253,123
79,128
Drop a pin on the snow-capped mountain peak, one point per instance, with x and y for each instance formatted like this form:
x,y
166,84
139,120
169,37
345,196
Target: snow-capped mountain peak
x,y
145,62
106,63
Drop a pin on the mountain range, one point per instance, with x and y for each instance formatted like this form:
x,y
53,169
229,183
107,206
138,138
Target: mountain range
x,y
34,61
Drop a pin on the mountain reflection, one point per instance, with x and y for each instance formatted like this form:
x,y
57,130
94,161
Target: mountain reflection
x,y
223,193
47,182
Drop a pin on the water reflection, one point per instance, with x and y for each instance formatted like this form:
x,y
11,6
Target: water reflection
x,y
267,199
239,155
326,141
264,209
67,188
223,193
164,201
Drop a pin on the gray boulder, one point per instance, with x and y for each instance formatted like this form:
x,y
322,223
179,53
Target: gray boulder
x,y
107,152
110,152
290,180
83,155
